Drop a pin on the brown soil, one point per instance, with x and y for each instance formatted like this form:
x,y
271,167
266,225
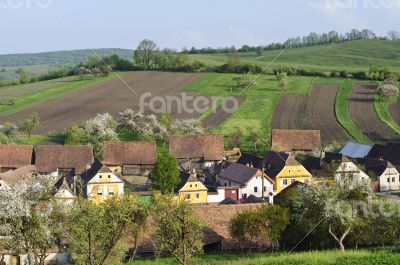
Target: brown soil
x,y
110,96
361,108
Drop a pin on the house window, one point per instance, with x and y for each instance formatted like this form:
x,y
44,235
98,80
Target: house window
x,y
393,179
100,176
188,196
290,170
111,192
191,185
388,180
284,182
255,189
265,188
195,185
109,176
197,195
99,191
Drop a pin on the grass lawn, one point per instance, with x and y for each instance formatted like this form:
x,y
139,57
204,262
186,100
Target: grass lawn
x,y
43,91
381,105
257,109
342,106
364,257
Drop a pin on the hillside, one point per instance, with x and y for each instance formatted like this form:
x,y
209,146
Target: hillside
x,y
58,57
352,56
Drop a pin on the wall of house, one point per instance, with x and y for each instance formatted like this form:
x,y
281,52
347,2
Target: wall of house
x,y
106,182
389,180
193,192
52,258
256,182
290,174
349,168
216,197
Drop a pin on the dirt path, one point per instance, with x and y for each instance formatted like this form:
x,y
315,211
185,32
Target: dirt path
x,y
362,112
110,96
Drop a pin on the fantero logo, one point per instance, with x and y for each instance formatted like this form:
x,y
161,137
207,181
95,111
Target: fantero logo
x,y
13,4
185,103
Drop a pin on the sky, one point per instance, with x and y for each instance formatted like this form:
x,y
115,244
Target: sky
x,y
50,25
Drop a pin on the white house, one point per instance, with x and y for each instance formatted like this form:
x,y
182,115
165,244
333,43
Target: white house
x,y
249,180
384,175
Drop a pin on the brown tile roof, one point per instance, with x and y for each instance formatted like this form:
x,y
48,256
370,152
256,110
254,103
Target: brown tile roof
x,y
209,146
49,158
19,174
15,156
129,153
296,140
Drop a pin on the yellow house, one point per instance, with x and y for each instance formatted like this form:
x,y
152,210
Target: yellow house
x,y
284,169
102,183
192,190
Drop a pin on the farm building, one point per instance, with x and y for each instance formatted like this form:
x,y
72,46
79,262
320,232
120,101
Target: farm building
x,y
133,160
384,175
63,161
15,156
197,151
295,140
355,150
64,194
250,180
284,169
8,178
101,183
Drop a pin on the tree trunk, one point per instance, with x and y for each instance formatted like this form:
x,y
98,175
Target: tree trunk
x,y
341,239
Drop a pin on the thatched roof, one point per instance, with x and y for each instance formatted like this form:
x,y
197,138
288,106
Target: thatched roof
x,y
49,158
208,147
129,153
15,156
296,140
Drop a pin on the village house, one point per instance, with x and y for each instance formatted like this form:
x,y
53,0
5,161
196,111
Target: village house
x,y
101,183
338,166
200,152
383,174
15,156
284,170
191,189
133,162
297,141
64,195
248,180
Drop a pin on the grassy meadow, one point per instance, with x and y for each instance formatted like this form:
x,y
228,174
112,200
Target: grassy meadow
x,y
381,105
332,257
351,56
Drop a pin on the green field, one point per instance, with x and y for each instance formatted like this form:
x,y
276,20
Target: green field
x,y
257,109
364,257
350,56
382,109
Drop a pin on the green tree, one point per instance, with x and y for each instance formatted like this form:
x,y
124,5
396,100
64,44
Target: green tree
x,y
259,51
274,220
165,175
245,228
23,75
234,139
77,135
9,129
179,231
98,230
233,61
144,53
29,124
254,138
